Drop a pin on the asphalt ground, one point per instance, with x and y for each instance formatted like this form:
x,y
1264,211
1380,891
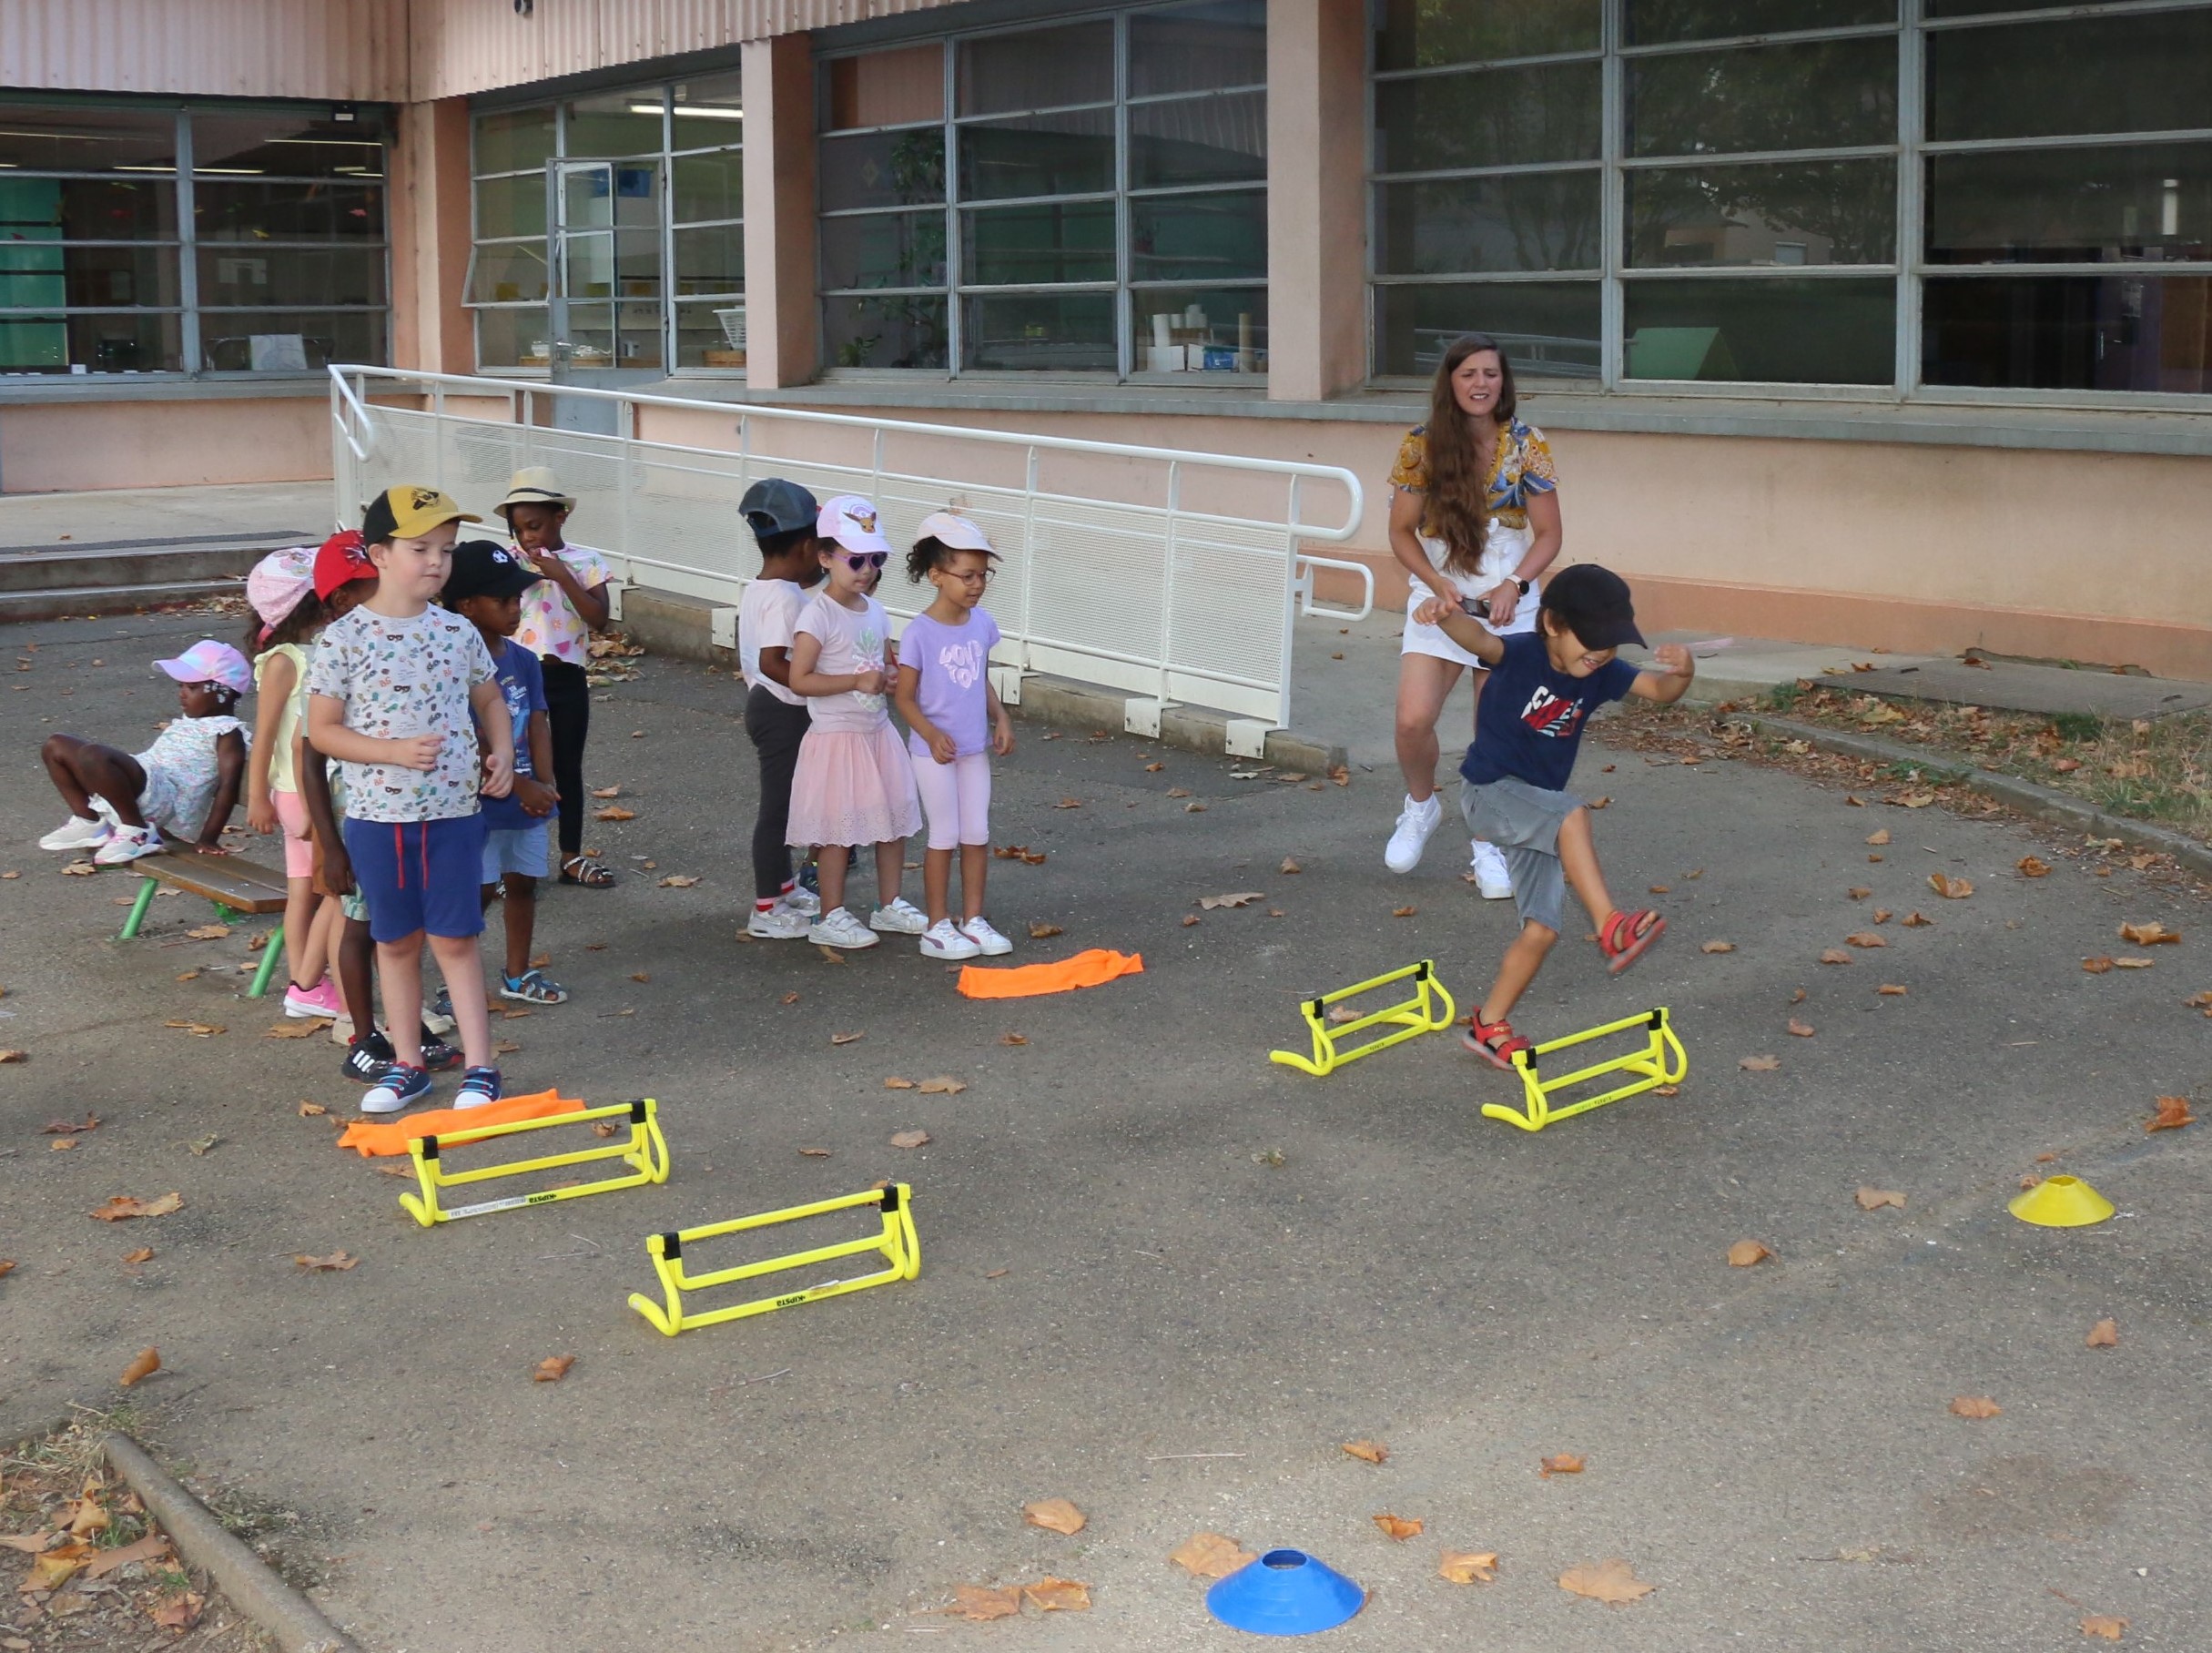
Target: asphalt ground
x,y
1161,1277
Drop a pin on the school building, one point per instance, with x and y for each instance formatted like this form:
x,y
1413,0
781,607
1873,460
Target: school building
x,y
1885,322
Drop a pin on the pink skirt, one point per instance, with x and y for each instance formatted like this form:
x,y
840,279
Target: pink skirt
x,y
852,786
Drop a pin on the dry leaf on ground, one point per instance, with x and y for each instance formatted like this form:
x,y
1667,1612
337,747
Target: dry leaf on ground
x,y
1561,1464
909,1139
1289,866
296,1029
1058,1596
1746,1252
1366,1452
1012,1039
1799,1029
1834,955
1055,1515
1875,1198
1398,1527
1881,836
944,1084
338,1260
1759,1064
2096,967
1864,938
120,1206
1598,803
1859,892
1975,1405
791,997
67,1128
1951,889
1243,898
2032,867
1892,989
1179,792
896,1083
2104,1334
1069,802
145,1253
814,1153
2105,1626
1917,920
604,791
62,1144
2133,961
975,1603
2148,935
830,954
146,1549
2172,1115
1717,947
1611,1581
1468,1567
552,1368
208,932
615,812
1882,915
1041,930
15,1055
1211,1556
198,1029
1403,912
313,1110
678,881
145,1366
845,1039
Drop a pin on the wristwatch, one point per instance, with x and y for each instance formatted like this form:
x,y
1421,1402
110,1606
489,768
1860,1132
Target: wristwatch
x,y
1521,583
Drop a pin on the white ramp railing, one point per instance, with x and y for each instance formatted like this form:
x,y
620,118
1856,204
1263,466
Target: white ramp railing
x,y
1170,576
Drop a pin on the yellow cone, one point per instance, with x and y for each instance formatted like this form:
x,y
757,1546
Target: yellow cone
x,y
2060,1202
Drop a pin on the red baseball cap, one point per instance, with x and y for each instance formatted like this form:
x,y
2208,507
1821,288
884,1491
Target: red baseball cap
x,y
341,560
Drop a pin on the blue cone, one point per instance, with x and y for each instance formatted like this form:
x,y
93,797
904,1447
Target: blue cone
x,y
1286,1592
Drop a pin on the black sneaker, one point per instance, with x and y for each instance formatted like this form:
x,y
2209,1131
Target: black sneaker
x,y
438,1056
368,1055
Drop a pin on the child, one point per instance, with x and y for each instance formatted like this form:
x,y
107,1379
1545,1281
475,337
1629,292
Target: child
x,y
852,783
487,588
281,591
954,721
187,781
1543,685
559,616
390,694
782,517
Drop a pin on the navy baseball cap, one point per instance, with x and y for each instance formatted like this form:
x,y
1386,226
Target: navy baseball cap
x,y
481,568
1593,602
773,505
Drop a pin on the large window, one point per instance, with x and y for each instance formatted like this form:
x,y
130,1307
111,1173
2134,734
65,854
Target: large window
x,y
144,238
1089,198
626,212
1799,192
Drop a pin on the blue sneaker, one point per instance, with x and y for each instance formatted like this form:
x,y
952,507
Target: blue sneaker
x,y
477,1086
400,1088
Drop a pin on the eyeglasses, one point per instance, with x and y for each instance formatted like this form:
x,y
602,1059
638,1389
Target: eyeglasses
x,y
864,559
971,576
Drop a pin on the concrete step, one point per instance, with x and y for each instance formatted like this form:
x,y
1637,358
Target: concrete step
x,y
71,602
55,568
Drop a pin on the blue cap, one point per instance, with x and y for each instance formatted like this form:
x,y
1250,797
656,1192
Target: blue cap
x,y
1284,1592
774,505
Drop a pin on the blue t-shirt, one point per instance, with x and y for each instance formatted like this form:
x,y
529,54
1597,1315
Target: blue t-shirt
x,y
523,681
1529,722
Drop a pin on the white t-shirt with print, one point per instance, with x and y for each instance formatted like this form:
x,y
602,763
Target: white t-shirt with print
x,y
765,613
401,678
853,640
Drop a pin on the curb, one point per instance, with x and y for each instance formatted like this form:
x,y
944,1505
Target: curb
x,y
2041,802
666,623
252,1584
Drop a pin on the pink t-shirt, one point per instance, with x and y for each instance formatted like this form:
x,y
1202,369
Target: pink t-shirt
x,y
952,678
852,641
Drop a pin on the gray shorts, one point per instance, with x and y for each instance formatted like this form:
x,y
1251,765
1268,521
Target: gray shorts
x,y
1524,822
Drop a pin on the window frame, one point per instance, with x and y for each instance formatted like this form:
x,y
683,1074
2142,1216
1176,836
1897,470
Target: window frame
x,y
1124,287
1909,267
186,246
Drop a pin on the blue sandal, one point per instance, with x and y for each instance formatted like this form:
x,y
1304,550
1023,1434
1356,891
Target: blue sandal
x,y
533,987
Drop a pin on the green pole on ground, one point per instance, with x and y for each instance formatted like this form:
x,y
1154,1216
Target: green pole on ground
x,y
270,948
137,910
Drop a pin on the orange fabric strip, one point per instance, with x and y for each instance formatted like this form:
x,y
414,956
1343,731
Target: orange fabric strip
x,y
1086,969
368,1140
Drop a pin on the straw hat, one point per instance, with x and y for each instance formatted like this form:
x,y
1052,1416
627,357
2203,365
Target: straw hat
x,y
536,485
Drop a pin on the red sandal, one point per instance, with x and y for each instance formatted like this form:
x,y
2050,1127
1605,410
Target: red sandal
x,y
1626,936
1496,1042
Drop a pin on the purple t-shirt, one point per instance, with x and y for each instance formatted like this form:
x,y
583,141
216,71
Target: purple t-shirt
x,y
953,665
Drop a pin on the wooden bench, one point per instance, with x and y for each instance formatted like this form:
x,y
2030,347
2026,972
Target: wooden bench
x,y
236,887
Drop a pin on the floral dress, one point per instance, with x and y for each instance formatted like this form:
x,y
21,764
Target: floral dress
x,y
1522,468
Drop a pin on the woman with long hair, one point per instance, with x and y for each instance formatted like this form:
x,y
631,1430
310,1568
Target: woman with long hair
x,y
1475,519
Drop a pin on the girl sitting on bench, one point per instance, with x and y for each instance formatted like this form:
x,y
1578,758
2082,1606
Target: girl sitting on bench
x,y
187,781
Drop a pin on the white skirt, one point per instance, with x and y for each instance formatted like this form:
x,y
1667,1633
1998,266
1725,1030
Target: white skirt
x,y
1502,551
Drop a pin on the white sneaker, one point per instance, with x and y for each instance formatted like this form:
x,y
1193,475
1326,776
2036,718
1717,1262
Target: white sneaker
x,y
1410,836
779,923
800,899
77,834
128,843
978,931
901,917
943,939
841,929
1492,880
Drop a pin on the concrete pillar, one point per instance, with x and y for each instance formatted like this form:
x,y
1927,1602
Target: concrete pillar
x,y
427,208
783,319
1316,199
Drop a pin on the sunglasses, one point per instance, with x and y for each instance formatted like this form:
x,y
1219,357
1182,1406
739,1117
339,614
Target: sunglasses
x,y
863,559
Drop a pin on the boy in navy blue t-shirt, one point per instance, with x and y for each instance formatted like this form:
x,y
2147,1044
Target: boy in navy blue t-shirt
x,y
1528,726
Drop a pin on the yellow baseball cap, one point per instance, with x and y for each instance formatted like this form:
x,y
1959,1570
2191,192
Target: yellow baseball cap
x,y
407,512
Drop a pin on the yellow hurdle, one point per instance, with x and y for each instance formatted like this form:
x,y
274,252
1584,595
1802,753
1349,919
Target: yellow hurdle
x,y
897,1244
646,1153
1660,1061
1429,1010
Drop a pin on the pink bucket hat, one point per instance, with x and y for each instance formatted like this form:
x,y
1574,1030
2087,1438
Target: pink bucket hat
x,y
277,582
208,661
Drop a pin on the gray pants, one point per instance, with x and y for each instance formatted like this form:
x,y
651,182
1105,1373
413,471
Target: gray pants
x,y
1524,822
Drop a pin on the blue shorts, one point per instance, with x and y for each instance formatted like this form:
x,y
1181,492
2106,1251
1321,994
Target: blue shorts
x,y
418,876
520,849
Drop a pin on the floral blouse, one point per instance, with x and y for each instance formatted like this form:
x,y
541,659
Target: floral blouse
x,y
1524,467
552,629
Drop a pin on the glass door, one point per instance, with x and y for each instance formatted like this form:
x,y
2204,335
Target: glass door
x,y
606,314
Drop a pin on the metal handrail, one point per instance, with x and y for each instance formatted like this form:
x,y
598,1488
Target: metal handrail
x,y
1309,609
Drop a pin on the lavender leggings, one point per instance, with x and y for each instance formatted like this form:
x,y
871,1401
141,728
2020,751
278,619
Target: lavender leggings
x,y
956,796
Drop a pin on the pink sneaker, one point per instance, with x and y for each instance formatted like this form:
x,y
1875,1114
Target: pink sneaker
x,y
314,1003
